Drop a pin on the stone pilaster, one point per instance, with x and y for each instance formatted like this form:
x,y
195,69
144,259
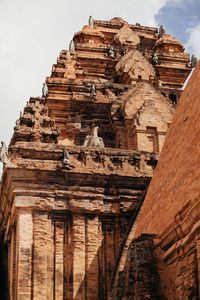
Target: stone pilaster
x,y
12,269
68,260
79,257
92,247
43,257
59,239
24,255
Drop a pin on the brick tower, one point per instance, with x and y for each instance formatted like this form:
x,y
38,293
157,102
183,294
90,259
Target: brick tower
x,y
82,156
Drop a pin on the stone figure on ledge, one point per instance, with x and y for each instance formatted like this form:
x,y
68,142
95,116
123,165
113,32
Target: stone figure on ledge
x,y
161,31
71,46
58,130
193,61
91,21
4,153
111,52
44,90
93,92
66,160
155,60
94,140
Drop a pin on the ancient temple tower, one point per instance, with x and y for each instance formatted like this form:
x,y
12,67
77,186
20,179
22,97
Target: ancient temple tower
x,y
82,156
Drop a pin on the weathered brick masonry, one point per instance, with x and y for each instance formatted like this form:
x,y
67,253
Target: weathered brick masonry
x,y
173,197
80,161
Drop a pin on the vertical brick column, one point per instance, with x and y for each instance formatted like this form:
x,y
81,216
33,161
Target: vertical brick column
x,y
109,253
59,247
24,255
13,264
79,257
92,247
68,259
50,258
43,257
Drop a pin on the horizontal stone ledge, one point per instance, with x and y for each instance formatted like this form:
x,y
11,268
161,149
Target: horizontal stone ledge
x,y
58,149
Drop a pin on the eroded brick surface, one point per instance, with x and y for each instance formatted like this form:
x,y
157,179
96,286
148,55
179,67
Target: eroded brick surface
x,y
68,204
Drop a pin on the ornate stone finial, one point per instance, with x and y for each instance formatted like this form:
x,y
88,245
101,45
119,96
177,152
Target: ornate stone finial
x,y
155,59
4,153
111,52
193,61
66,160
94,140
91,21
93,92
71,46
44,90
161,31
17,125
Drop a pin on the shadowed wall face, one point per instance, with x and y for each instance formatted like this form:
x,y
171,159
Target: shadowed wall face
x,y
176,180
4,287
171,209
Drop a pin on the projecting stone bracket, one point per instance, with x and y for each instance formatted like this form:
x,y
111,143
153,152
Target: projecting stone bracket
x,y
98,157
82,157
66,161
135,162
117,161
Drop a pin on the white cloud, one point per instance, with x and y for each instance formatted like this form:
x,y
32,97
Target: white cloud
x,y
180,2
175,2
193,43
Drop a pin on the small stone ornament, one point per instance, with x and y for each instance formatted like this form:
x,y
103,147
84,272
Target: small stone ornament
x,y
4,153
193,61
93,92
17,125
94,140
71,46
66,160
58,130
44,90
91,21
111,52
161,31
155,59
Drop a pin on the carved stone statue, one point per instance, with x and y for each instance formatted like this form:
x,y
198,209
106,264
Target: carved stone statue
x,y
161,31
155,59
58,130
193,61
111,52
66,160
94,140
4,153
93,91
44,90
91,21
71,46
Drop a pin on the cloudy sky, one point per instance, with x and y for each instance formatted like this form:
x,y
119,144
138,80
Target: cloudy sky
x,y
33,32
